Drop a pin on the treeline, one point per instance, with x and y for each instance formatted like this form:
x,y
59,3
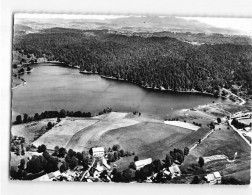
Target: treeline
x,y
50,114
157,62
239,125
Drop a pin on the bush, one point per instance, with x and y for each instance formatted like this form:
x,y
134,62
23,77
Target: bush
x,y
128,175
73,163
201,162
136,158
58,120
157,165
62,152
186,151
49,125
196,180
132,166
121,153
116,147
231,181
18,119
28,148
41,148
36,164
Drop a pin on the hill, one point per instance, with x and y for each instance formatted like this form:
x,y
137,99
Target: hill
x,y
156,62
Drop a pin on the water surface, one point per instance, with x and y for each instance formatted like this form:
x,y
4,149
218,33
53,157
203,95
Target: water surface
x,y
51,87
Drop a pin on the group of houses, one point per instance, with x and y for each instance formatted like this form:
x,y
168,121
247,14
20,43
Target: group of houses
x,y
99,165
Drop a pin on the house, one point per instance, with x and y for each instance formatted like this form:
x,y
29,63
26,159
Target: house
x,y
141,163
213,178
98,152
175,171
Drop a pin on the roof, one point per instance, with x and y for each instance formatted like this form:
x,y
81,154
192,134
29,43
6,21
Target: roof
x,y
210,177
174,169
217,174
98,149
144,162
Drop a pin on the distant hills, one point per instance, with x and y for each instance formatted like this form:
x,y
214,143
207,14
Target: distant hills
x,y
124,24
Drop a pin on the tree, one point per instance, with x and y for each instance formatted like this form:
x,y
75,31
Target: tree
x,y
18,119
73,163
201,161
136,158
62,113
58,120
157,165
195,180
117,176
63,167
121,153
49,125
128,175
36,164
116,147
111,157
168,161
42,148
186,151
37,117
62,152
56,151
218,120
116,155
25,118
132,166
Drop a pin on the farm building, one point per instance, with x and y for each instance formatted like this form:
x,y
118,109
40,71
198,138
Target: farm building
x,y
175,171
213,178
141,163
98,152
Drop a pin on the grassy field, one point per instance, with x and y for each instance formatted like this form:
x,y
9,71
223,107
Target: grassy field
x,y
226,142
61,133
31,131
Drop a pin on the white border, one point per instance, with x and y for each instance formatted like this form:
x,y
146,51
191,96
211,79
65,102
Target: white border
x,y
224,8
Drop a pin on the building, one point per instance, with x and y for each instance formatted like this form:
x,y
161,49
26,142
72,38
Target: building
x,y
213,178
175,171
98,152
141,163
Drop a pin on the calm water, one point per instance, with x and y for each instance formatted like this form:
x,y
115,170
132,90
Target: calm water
x,y
53,87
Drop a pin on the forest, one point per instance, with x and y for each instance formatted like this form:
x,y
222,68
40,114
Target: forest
x,y
156,62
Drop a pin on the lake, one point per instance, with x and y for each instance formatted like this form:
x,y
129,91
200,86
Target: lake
x,y
51,87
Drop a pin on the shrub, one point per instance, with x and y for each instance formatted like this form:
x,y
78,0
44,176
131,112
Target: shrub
x,y
116,147
18,119
196,180
49,125
41,148
36,164
136,158
201,162
186,151
132,166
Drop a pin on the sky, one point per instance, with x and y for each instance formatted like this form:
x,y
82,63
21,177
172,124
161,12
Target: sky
x,y
243,25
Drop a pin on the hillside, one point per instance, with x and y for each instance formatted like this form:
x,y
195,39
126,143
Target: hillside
x,y
157,62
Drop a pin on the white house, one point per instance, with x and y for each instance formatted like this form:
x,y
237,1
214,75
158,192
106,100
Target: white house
x,y
175,171
141,163
213,178
98,152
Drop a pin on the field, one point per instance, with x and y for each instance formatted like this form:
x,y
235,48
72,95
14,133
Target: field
x,y
147,137
31,131
61,134
224,142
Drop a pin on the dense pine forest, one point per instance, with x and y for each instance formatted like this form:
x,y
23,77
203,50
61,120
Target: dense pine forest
x,y
157,62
